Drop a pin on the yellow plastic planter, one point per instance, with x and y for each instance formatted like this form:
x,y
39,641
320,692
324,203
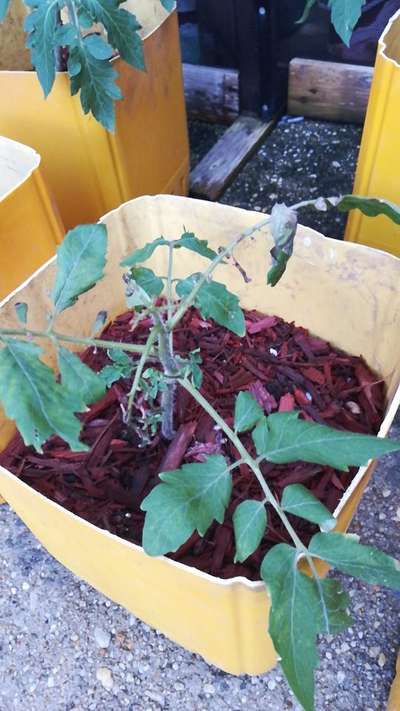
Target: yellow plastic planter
x,y
90,170
379,159
334,288
30,227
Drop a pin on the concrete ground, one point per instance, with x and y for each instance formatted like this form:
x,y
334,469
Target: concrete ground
x,y
64,647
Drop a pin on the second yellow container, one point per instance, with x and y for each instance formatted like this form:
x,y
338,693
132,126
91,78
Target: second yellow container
x,y
379,159
90,170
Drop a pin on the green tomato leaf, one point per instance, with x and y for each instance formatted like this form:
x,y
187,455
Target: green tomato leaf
x,y
289,439
97,47
215,301
144,253
301,609
345,553
122,367
65,35
247,412
345,15
32,397
370,206
194,244
189,499
41,25
142,287
81,260
301,502
122,29
78,378
21,309
5,3
249,524
95,80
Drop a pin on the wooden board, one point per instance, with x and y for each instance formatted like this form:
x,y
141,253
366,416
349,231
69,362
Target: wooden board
x,y
212,94
327,90
221,164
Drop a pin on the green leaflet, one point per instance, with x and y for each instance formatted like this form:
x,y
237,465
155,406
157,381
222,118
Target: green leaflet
x,y
144,253
4,8
301,609
32,397
189,499
143,286
81,260
41,25
249,524
215,301
122,367
247,412
283,437
122,29
365,562
307,9
301,502
97,47
345,15
194,244
188,241
78,378
95,80
370,206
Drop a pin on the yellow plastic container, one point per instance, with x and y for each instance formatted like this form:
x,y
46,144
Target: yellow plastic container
x,y
223,620
90,170
30,226
379,159
394,698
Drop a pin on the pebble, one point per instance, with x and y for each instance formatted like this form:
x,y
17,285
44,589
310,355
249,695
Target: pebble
x,y
386,493
373,652
344,648
178,686
102,638
271,685
208,689
104,676
25,586
156,697
381,660
340,676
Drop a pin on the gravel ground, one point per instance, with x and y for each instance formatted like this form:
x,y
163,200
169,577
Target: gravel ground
x,y
64,647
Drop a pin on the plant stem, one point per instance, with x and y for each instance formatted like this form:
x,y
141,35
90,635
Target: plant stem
x,y
170,304
53,335
225,252
252,464
138,373
170,368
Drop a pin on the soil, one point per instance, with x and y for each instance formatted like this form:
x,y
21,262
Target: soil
x,y
285,368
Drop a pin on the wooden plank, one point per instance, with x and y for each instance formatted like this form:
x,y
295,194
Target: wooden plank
x,y
212,94
222,163
327,90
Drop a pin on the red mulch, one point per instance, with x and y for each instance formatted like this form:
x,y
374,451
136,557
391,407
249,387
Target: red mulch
x,y
281,364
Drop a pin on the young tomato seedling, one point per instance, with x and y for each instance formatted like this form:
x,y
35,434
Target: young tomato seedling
x,y
192,497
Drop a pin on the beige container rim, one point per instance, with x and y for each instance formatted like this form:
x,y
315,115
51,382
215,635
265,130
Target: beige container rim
x,y
389,41
239,580
17,163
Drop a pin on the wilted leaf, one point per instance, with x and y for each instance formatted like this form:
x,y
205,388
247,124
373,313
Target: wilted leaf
x,y
301,502
32,397
307,9
101,318
364,562
370,206
247,412
283,438
283,226
215,301
81,260
189,499
249,524
78,378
